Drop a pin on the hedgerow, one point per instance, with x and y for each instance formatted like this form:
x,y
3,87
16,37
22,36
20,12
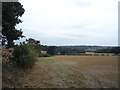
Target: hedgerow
x,y
24,56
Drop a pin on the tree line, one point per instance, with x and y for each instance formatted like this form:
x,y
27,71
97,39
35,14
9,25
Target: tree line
x,y
69,50
55,50
115,50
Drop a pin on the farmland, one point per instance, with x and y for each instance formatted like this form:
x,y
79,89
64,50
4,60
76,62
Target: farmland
x,y
72,72
48,52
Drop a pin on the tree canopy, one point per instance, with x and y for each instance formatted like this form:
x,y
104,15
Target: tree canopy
x,y
115,50
11,11
34,43
51,50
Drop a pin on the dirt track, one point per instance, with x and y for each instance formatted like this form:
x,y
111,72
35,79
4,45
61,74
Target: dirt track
x,y
73,71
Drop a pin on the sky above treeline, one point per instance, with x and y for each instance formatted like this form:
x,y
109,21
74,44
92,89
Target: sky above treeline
x,y
71,22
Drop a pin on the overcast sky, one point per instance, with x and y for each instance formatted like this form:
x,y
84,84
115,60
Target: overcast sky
x,y
71,22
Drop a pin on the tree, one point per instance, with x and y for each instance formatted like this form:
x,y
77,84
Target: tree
x,y
51,50
11,11
31,41
34,43
116,50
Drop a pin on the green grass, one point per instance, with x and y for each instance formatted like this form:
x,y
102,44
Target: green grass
x,y
26,86
49,84
71,79
45,60
100,85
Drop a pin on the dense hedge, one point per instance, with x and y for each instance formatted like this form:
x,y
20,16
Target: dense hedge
x,y
24,55
44,55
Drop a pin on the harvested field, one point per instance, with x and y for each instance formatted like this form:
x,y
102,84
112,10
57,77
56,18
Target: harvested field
x,y
95,69
73,72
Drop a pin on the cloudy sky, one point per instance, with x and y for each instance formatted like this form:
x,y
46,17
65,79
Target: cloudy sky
x,y
71,22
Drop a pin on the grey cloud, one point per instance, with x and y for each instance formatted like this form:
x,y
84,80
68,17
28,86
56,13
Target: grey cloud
x,y
72,27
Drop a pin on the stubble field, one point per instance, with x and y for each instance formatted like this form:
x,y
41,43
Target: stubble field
x,y
73,72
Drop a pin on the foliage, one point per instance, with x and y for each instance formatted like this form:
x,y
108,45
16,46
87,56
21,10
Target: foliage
x,y
115,50
32,41
70,51
26,86
24,55
35,44
51,50
62,50
11,11
44,55
99,84
44,47
76,50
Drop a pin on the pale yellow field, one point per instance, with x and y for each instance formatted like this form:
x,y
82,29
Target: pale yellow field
x,y
94,68
73,72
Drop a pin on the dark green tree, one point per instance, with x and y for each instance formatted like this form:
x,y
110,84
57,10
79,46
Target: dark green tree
x,y
51,50
116,50
11,11
34,43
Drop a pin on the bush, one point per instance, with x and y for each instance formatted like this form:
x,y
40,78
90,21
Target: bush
x,y
44,55
24,55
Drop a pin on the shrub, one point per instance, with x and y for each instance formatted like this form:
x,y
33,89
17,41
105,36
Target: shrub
x,y
24,55
44,55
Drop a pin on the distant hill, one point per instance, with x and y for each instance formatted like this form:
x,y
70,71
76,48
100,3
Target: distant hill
x,y
87,47
77,49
